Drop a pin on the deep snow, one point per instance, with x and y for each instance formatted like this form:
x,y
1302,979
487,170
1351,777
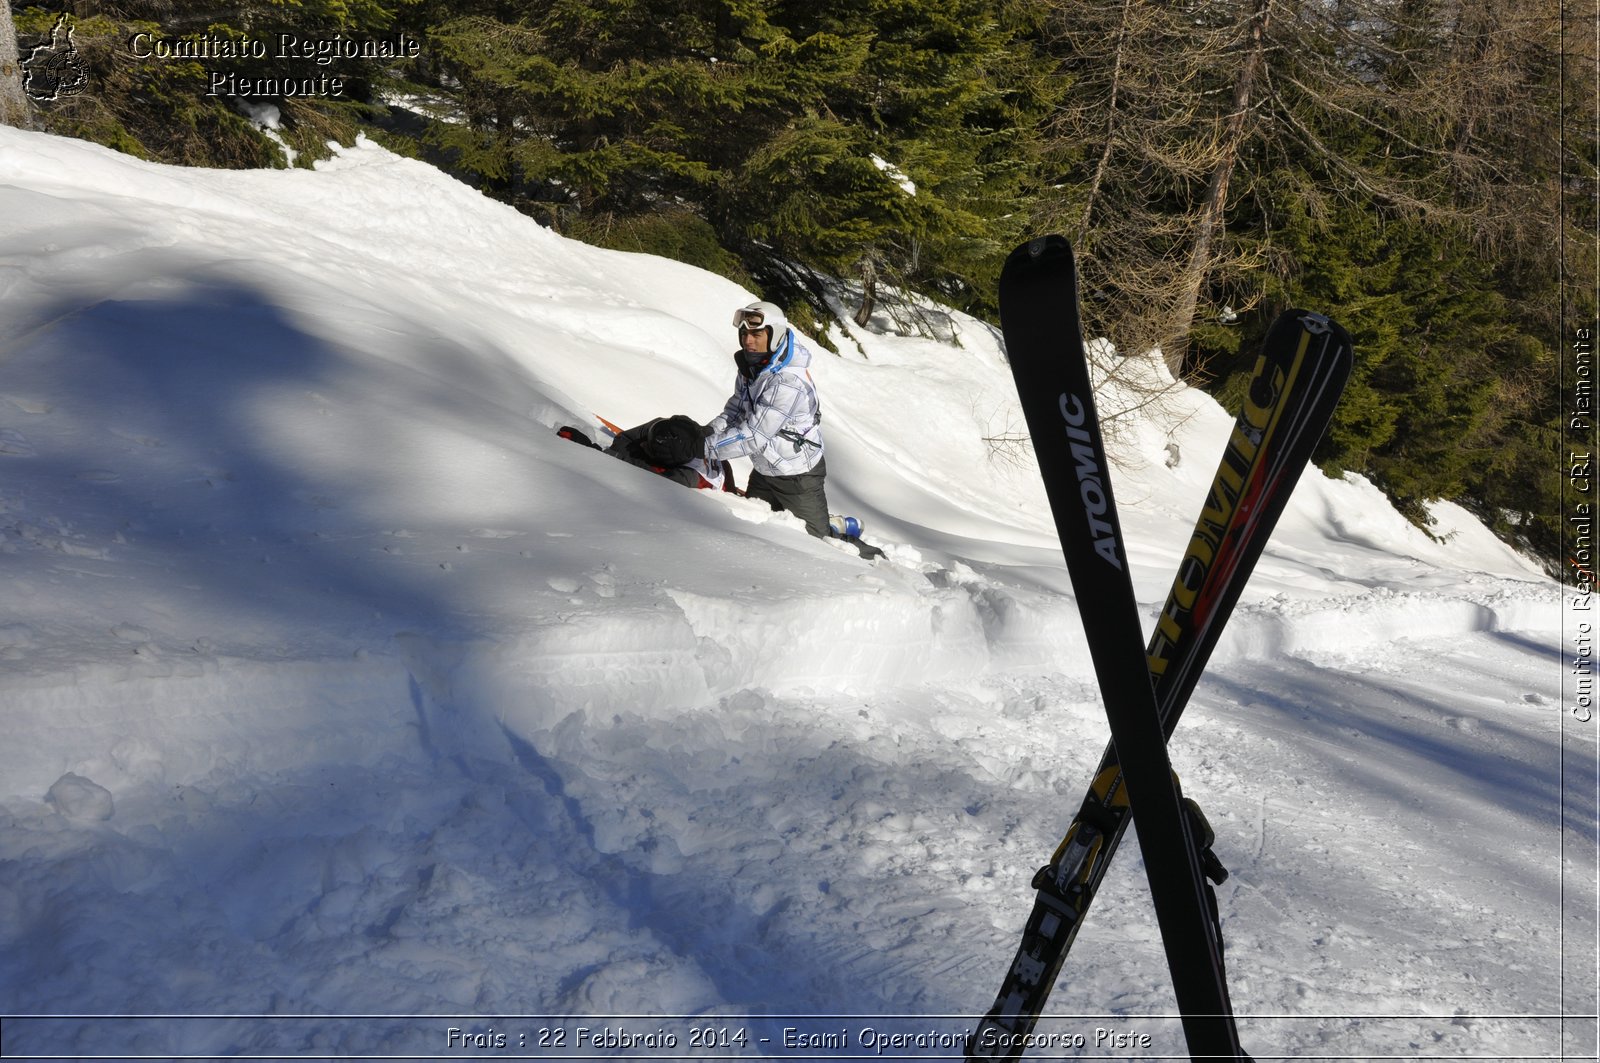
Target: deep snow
x,y
335,684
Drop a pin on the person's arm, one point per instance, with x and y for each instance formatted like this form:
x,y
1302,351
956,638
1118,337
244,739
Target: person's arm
x,y
781,401
730,413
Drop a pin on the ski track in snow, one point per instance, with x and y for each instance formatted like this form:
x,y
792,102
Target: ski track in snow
x,y
335,684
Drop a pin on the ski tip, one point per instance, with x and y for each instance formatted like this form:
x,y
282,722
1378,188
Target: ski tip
x,y
1300,327
1038,245
1043,256
1299,319
1051,245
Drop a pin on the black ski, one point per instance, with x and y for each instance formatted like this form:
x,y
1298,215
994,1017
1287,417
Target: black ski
x,y
1302,369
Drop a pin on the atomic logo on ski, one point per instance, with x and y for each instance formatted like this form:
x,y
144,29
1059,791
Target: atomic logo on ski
x,y
1091,479
1247,470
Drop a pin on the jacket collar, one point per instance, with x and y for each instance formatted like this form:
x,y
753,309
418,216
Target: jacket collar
x,y
776,361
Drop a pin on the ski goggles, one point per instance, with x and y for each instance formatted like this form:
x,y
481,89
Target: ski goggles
x,y
749,319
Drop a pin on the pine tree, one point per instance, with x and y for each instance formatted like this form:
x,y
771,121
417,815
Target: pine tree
x,y
914,161
167,108
834,138
1419,204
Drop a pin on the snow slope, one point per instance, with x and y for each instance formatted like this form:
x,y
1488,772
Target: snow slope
x,y
336,689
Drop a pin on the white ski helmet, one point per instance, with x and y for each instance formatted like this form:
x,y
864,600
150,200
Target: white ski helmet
x,y
762,315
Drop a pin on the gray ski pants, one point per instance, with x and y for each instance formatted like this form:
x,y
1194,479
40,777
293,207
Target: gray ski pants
x,y
801,494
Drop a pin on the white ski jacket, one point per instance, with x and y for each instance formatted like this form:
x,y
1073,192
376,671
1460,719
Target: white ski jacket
x,y
774,418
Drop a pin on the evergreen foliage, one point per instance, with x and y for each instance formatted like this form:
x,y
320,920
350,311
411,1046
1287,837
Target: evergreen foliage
x,y
164,108
838,138
1407,182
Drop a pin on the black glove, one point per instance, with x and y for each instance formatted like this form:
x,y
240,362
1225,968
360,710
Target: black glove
x,y
569,432
674,441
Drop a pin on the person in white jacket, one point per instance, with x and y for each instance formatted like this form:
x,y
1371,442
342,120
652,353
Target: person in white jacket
x,y
774,418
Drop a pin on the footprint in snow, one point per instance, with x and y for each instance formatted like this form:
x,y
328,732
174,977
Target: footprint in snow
x,y
76,797
15,641
14,444
136,437
27,405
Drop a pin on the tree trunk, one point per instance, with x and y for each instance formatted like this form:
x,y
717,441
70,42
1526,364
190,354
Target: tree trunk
x,y
869,291
1211,221
14,109
1111,128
